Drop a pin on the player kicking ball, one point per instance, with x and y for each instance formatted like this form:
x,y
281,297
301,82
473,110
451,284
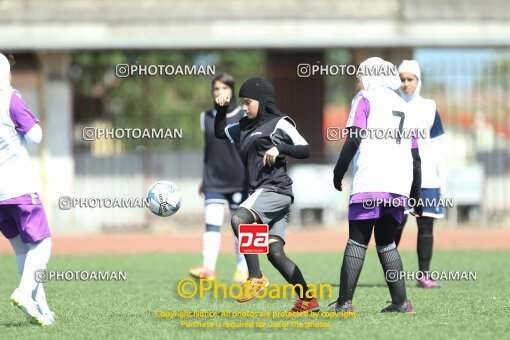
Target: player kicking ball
x,y
223,182
384,169
266,137
22,217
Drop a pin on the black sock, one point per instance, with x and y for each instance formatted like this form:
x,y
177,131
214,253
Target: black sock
x,y
354,257
245,216
289,270
400,229
252,261
390,261
425,242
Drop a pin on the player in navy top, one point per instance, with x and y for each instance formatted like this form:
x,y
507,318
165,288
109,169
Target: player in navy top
x,y
433,175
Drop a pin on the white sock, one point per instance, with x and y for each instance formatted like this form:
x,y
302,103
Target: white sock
x,y
39,296
241,261
212,238
21,249
36,259
212,241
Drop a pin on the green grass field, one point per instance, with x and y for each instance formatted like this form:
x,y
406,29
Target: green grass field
x,y
101,310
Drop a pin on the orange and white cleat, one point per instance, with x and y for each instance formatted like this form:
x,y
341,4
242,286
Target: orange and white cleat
x,y
252,287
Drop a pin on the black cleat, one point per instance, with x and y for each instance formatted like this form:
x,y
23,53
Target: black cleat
x,y
404,307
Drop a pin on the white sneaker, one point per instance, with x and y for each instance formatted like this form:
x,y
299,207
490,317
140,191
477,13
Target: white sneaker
x,y
50,316
29,308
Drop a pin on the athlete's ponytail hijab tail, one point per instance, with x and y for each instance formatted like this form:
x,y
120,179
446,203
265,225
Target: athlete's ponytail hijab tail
x,y
377,72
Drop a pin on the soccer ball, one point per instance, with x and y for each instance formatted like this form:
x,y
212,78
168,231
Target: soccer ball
x,y
164,198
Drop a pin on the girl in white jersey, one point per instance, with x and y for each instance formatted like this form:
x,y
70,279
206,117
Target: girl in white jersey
x,y
22,217
432,174
386,173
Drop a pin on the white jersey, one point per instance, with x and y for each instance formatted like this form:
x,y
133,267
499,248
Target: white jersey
x,y
428,120
17,177
384,164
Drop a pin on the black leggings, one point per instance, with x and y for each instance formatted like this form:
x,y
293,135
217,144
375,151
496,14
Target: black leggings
x,y
360,232
385,226
287,268
245,216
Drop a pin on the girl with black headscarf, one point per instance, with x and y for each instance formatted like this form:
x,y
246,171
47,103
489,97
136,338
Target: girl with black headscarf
x,y
265,138
222,182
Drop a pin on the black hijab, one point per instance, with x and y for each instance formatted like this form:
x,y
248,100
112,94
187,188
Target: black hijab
x,y
261,90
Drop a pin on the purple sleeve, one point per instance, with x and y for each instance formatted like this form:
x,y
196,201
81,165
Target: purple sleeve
x,y
359,117
23,119
414,144
414,140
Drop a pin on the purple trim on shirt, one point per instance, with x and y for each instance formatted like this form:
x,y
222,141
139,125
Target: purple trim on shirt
x,y
23,119
361,113
414,141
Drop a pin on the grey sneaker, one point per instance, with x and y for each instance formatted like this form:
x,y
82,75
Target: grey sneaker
x,y
345,307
